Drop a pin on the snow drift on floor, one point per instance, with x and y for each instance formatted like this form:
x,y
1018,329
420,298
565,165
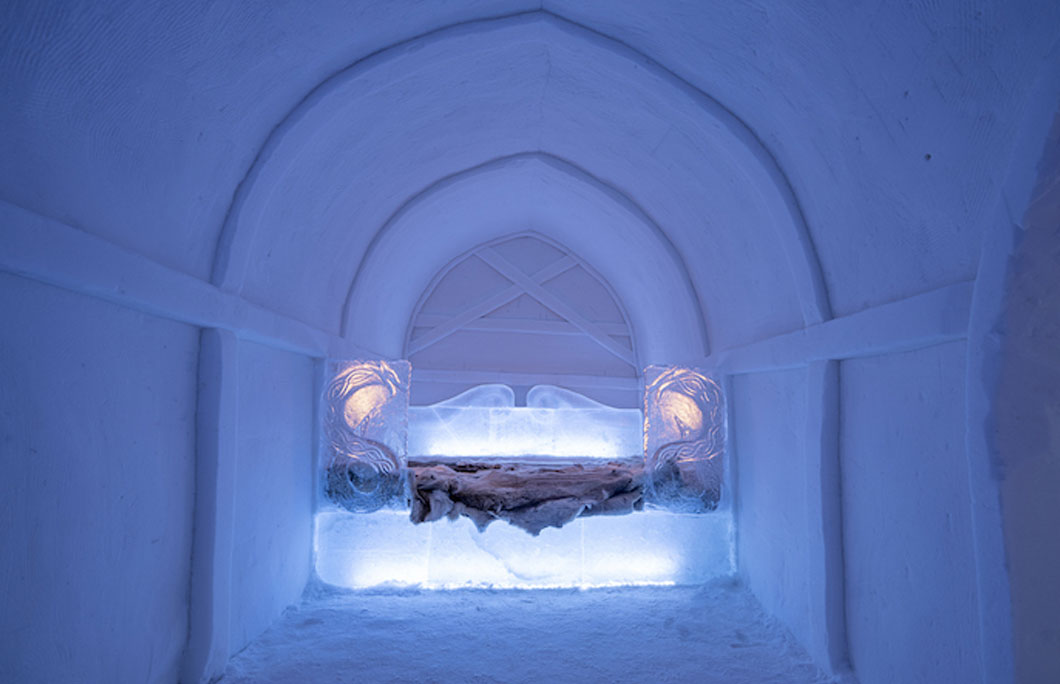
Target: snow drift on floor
x,y
716,632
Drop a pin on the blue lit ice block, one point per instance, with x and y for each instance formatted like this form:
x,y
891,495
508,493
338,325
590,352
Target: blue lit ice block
x,y
653,547
556,423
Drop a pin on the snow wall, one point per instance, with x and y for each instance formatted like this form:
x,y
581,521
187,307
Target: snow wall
x,y
818,204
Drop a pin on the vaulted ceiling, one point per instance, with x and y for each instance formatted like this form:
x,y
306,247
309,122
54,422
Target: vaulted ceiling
x,y
733,170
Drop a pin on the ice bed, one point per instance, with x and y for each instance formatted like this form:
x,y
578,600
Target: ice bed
x,y
485,472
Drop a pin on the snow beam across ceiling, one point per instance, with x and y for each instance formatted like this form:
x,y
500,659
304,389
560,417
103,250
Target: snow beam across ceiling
x,y
506,125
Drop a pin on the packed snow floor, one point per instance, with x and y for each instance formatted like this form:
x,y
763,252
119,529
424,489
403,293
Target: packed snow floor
x,y
712,633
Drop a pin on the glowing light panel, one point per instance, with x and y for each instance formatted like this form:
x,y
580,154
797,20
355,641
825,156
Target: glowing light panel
x,y
650,548
484,422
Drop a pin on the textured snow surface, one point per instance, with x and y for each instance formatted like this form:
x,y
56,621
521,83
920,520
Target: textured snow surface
x,y
712,633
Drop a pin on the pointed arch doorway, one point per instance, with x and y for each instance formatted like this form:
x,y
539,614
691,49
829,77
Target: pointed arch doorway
x,y
522,311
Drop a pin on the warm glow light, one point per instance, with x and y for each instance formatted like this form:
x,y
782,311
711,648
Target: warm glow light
x,y
365,406
363,402
681,404
680,414
684,438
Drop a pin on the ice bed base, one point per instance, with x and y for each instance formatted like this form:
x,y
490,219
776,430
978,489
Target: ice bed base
x,y
653,547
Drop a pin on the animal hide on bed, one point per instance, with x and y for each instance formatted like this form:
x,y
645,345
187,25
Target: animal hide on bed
x,y
528,496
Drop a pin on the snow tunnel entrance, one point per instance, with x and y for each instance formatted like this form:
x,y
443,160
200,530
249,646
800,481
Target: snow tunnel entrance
x,y
528,413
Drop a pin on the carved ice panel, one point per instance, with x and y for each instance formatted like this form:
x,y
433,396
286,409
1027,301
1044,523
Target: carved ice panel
x,y
366,433
684,438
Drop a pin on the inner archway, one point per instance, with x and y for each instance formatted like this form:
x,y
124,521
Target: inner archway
x,y
522,311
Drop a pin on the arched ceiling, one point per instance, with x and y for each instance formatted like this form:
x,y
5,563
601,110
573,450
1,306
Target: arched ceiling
x,y
383,131
778,154
549,197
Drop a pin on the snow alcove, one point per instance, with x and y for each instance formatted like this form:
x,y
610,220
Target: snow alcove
x,y
538,486
521,341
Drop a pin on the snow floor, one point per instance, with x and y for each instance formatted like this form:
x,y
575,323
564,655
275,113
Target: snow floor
x,y
715,632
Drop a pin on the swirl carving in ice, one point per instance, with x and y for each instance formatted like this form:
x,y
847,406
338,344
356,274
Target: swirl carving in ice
x,y
684,438
365,425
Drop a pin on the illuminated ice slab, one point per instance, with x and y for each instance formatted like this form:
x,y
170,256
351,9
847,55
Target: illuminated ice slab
x,y
484,422
651,547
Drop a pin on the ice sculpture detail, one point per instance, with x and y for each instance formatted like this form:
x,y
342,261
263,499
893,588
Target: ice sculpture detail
x,y
560,457
552,397
366,434
484,422
684,438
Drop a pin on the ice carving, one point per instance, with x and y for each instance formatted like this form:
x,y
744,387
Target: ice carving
x,y
560,424
481,396
684,438
366,433
552,397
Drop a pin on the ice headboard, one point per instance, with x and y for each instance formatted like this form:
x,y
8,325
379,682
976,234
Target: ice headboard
x,y
561,450
485,422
